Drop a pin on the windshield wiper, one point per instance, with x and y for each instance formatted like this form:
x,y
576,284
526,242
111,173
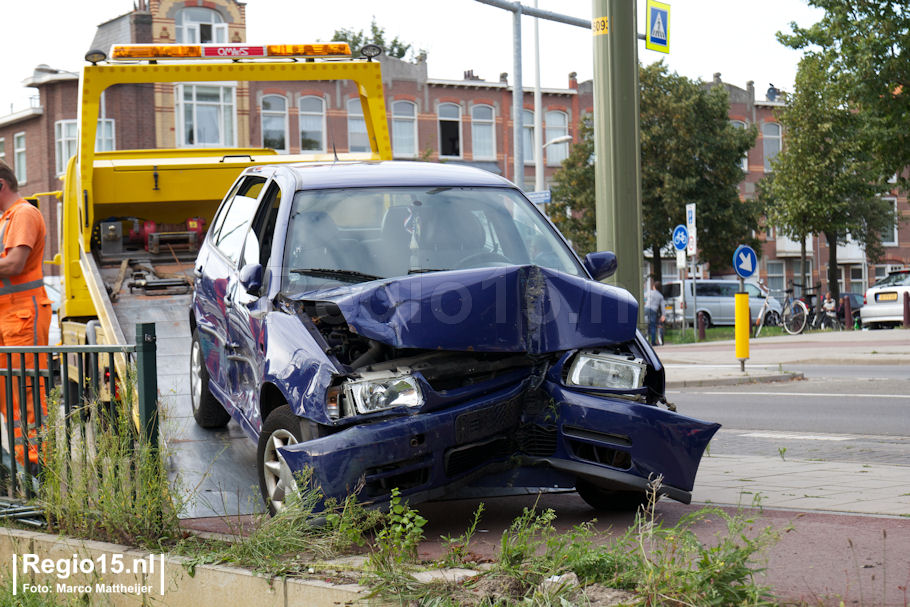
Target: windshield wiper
x,y
346,275
426,270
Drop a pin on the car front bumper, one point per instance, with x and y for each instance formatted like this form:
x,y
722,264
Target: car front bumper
x,y
553,434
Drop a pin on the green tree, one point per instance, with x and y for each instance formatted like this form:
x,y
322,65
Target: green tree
x,y
690,152
864,47
572,209
377,35
825,181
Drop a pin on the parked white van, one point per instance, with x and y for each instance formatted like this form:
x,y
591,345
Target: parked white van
x,y
715,300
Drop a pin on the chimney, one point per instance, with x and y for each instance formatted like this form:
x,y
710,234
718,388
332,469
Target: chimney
x,y
750,89
573,80
717,79
504,77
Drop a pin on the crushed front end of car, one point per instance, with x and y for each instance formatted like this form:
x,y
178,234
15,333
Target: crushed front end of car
x,y
515,376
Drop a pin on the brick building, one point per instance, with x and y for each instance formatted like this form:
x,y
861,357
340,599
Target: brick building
x,y
465,121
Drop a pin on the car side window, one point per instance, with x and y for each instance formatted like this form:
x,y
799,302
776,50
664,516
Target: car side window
x,y
753,291
258,247
237,218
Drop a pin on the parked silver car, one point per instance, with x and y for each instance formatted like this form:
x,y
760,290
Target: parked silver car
x,y
715,301
884,301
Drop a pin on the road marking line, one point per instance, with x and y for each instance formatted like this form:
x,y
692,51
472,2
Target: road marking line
x,y
796,436
791,394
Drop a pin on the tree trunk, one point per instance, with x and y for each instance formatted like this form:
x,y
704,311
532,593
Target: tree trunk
x,y
833,285
657,271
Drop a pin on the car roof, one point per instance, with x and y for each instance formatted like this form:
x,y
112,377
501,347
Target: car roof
x,y
324,175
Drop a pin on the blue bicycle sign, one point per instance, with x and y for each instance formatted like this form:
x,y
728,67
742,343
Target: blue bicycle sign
x,y
680,237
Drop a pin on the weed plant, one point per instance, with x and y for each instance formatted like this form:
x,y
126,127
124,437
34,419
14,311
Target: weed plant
x,y
103,479
306,531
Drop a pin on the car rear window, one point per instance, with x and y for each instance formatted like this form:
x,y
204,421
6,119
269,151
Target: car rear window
x,y
896,279
670,290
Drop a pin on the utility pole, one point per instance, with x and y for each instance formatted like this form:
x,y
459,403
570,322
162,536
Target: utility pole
x,y
616,139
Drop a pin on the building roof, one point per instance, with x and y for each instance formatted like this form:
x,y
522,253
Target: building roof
x,y
45,74
21,116
109,33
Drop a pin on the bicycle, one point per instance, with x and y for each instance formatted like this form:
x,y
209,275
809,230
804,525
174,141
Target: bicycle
x,y
794,314
817,318
766,315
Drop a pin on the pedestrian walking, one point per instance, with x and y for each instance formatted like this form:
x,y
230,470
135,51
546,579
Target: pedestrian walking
x,y
25,310
654,307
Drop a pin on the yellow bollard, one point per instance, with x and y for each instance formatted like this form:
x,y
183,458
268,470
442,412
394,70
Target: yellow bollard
x,y
741,330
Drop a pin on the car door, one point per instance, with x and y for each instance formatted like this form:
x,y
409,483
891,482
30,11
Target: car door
x,y
247,310
216,271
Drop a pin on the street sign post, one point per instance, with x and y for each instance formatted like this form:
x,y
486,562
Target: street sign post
x,y
681,241
691,248
745,262
658,21
680,237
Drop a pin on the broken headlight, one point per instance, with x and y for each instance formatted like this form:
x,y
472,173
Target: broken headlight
x,y
383,392
592,369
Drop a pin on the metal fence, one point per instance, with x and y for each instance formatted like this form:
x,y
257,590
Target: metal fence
x,y
80,376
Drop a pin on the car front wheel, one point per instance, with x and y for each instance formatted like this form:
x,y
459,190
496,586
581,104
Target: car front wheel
x,y
276,480
207,411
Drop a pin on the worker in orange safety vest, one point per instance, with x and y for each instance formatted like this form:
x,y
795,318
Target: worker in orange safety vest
x,y
25,310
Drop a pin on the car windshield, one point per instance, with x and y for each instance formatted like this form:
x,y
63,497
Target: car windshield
x,y
340,236
896,279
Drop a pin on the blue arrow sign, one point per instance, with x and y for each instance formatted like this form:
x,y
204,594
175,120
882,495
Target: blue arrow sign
x,y
745,261
680,237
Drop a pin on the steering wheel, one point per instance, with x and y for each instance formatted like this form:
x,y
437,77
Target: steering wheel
x,y
482,256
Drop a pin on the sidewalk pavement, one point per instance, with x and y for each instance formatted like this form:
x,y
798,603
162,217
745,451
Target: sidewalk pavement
x,y
777,358
865,488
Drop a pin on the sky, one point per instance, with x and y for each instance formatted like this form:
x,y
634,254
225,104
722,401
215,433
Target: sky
x,y
733,37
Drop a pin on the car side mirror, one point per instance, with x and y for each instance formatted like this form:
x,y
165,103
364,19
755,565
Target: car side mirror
x,y
601,264
251,278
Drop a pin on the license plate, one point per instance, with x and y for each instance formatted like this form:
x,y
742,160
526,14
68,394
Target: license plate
x,y
886,297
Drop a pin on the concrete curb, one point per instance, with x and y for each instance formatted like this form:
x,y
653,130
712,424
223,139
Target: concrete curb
x,y
735,381
220,585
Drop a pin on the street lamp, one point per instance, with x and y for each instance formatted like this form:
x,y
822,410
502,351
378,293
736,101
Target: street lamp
x,y
538,159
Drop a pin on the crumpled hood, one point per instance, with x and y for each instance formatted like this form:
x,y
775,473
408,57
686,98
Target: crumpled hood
x,y
503,309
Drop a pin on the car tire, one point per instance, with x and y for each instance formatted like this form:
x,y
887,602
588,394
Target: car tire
x,y
281,428
607,500
207,411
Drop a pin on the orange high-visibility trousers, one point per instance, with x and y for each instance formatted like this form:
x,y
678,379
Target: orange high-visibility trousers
x,y
24,321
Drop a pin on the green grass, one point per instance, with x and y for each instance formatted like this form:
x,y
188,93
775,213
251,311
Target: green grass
x,y
678,336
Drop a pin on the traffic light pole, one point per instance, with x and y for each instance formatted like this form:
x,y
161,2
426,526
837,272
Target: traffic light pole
x,y
617,169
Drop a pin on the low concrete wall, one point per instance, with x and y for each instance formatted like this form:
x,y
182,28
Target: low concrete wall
x,y
209,585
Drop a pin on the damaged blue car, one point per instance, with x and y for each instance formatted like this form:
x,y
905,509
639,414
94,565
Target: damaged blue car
x,y
423,326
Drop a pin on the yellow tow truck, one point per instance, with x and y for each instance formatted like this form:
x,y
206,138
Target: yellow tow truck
x,y
132,219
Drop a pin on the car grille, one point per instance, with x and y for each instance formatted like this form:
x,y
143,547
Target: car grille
x,y
599,447
406,474
464,459
476,425
537,441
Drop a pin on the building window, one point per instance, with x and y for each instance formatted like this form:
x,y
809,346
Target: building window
x,y
65,140
799,277
358,138
65,132
776,277
770,135
104,136
3,149
312,124
857,284
199,25
274,117
557,126
449,130
527,127
739,124
880,273
206,115
404,129
889,234
483,132
19,157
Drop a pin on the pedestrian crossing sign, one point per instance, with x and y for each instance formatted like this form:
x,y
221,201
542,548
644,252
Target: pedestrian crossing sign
x,y
658,38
